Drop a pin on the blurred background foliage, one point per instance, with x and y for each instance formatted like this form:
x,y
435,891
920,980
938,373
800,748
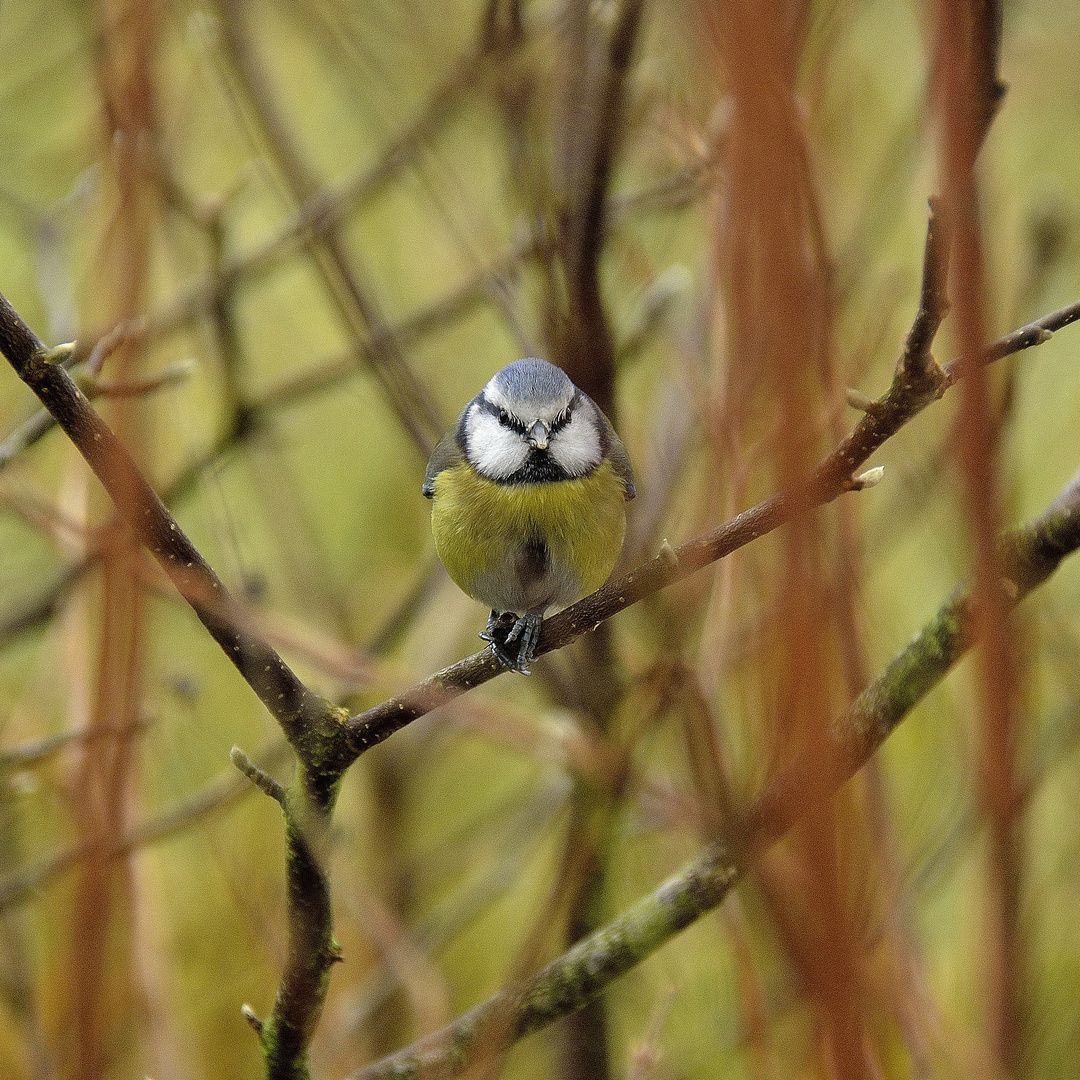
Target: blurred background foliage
x,y
439,143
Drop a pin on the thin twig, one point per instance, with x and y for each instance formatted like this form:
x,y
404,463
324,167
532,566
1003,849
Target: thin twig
x,y
42,422
909,394
22,884
328,206
1031,553
262,780
342,276
933,300
288,700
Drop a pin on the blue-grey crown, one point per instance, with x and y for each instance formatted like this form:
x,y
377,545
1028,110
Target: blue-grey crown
x,y
533,379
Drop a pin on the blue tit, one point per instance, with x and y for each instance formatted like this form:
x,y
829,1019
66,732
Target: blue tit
x,y
528,495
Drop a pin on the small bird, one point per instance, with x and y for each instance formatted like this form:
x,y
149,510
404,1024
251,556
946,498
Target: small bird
x,y
528,499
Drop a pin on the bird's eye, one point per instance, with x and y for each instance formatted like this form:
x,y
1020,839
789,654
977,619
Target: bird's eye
x,y
511,422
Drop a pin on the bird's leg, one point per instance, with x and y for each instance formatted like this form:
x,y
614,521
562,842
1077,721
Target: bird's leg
x,y
527,629
498,629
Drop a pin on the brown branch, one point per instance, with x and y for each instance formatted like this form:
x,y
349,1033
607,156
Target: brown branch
x,y
917,359
288,700
909,394
967,91
585,345
307,720
914,387
42,422
328,207
1030,553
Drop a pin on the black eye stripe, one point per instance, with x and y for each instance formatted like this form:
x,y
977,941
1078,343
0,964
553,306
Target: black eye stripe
x,y
511,422
508,420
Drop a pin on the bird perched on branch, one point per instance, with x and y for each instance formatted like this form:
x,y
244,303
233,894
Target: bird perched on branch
x,y
528,499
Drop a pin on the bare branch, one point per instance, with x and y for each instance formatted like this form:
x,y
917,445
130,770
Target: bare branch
x,y
1031,552
933,301
262,780
19,885
587,348
342,276
913,388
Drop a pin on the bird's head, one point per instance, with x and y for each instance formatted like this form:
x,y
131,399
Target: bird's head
x,y
531,424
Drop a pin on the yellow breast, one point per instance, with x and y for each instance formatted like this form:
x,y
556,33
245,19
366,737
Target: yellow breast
x,y
491,536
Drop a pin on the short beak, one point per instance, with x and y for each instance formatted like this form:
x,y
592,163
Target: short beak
x,y
538,435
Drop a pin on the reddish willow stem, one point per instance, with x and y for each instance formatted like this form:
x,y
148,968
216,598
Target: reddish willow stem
x,y
325,742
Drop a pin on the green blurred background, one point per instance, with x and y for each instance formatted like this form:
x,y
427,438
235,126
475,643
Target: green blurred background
x,y
448,837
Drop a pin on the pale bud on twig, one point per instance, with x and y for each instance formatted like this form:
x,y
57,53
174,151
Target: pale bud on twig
x,y
858,400
868,479
248,1013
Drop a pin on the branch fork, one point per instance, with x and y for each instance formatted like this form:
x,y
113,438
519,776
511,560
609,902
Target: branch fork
x,y
326,741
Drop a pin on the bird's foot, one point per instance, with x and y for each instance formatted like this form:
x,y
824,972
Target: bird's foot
x,y
504,629
499,625
526,631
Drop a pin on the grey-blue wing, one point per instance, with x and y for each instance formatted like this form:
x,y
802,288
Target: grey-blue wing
x,y
446,454
617,455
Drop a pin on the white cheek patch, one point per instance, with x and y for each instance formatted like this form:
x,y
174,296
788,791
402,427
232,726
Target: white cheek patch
x,y
577,446
495,451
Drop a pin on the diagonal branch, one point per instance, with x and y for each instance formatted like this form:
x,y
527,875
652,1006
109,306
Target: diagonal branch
x,y
342,277
327,207
915,385
325,744
1030,554
289,701
306,719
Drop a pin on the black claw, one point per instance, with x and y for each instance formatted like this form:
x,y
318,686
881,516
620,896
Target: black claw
x,y
508,661
505,629
527,631
488,633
